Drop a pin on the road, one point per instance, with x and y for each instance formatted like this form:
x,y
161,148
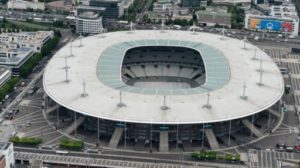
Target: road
x,y
269,159
110,160
17,97
23,16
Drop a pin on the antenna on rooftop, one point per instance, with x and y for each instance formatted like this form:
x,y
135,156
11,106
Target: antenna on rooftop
x,y
83,94
66,69
121,104
164,106
244,92
207,105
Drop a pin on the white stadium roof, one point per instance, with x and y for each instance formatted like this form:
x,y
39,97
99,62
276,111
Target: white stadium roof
x,y
233,68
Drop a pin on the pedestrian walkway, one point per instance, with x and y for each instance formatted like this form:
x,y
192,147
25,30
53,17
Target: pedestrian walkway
x,y
267,158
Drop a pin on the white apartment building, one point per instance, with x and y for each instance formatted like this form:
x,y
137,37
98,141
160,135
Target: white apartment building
x,y
89,22
285,10
162,7
34,40
17,48
22,5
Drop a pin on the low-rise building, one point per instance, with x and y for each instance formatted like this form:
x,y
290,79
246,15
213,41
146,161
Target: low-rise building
x,y
191,3
34,40
282,19
23,5
163,6
7,159
214,16
17,48
230,1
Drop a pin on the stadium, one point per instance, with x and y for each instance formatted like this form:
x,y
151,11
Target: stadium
x,y
153,90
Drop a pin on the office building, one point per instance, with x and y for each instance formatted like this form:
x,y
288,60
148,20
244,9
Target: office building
x,y
89,22
190,3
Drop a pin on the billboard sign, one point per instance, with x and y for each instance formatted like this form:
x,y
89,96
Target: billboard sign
x,y
254,23
270,24
274,25
287,26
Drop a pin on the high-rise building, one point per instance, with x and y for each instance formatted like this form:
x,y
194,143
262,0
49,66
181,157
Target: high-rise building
x,y
108,9
113,8
190,3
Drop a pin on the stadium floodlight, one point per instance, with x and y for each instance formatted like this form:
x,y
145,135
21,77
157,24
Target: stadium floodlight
x,y
207,105
164,106
84,94
121,104
244,97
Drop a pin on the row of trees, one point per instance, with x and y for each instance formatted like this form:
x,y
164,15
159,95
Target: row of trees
x,y
30,64
27,68
49,46
8,87
237,16
211,155
26,141
71,144
181,22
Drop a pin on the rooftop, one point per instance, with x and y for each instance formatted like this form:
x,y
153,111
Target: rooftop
x,y
144,106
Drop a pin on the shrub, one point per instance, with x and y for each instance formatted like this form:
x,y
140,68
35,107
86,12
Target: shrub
x,y
212,155
32,141
202,155
71,144
228,157
194,155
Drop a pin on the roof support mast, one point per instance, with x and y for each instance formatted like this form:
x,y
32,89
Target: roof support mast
x,y
207,105
66,69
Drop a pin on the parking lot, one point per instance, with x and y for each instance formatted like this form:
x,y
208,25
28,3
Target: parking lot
x,y
30,122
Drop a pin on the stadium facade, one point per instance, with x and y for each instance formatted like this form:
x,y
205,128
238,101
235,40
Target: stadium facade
x,y
163,91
